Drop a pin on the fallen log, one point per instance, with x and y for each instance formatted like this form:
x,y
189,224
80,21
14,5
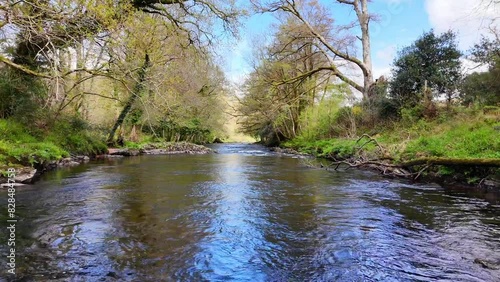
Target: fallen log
x,y
409,169
405,169
452,162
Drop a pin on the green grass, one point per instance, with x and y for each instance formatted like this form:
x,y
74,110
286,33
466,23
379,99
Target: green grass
x,y
133,145
17,145
144,140
82,143
461,135
462,141
331,148
75,136
24,146
455,135
15,132
30,153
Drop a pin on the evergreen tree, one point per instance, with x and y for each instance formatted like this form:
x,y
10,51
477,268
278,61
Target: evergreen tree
x,y
432,60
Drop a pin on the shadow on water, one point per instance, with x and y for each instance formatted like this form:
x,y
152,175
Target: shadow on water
x,y
246,214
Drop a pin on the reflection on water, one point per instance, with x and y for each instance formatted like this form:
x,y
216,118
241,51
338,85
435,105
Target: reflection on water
x,y
246,214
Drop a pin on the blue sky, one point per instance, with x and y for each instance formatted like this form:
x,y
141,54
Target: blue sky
x,y
400,23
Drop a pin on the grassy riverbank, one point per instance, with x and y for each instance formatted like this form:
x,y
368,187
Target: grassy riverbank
x,y
34,149
21,145
460,135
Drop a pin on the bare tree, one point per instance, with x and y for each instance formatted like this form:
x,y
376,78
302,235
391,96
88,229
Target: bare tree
x,y
283,84
334,49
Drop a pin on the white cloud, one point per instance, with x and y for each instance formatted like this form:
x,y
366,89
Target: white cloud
x,y
470,18
383,59
386,54
469,66
381,71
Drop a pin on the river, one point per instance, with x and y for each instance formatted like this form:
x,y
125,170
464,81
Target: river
x,y
246,214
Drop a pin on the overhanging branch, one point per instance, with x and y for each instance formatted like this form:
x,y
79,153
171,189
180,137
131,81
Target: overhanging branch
x,y
22,68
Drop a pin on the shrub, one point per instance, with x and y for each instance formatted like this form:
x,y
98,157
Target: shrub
x,y
76,136
411,115
20,95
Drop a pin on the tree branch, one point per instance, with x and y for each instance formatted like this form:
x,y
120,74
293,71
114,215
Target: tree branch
x,y
22,68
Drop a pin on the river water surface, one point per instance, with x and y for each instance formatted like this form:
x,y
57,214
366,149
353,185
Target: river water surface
x,y
246,214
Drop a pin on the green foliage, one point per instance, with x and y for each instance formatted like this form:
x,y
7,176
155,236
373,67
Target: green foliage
x,y
193,131
332,148
487,51
378,110
378,107
74,135
18,146
134,116
132,145
15,132
328,118
482,88
319,121
410,116
283,85
478,140
20,95
183,79
270,111
444,170
461,134
144,140
183,100
30,153
430,58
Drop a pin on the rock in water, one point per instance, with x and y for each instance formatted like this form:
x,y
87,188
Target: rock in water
x,y
25,175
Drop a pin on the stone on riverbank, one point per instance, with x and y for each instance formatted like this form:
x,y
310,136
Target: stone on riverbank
x,y
161,149
27,175
123,152
175,148
288,151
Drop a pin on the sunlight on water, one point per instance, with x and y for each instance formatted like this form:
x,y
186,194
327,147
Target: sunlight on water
x,y
247,214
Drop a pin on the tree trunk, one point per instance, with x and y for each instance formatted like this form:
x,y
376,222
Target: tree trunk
x,y
364,22
128,106
80,106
